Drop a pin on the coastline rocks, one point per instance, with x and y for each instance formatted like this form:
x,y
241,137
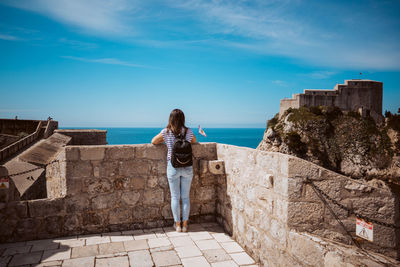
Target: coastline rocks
x,y
340,141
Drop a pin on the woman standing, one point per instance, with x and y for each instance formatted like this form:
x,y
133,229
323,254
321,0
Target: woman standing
x,y
179,179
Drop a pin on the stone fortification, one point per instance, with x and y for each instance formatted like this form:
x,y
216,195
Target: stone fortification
x,y
364,96
261,198
269,208
85,137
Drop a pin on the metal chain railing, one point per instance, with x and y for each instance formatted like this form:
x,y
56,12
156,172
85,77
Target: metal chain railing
x,y
28,171
350,211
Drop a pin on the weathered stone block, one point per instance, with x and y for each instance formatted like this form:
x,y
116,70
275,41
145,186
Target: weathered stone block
x,y
149,151
141,213
207,208
134,167
281,210
130,198
97,186
163,181
205,150
15,209
153,196
93,218
167,212
71,223
46,207
303,215
92,152
75,187
104,201
138,183
77,203
71,153
78,169
381,208
203,166
306,249
278,231
281,185
53,225
121,183
206,193
216,166
266,180
119,215
152,181
118,152
302,168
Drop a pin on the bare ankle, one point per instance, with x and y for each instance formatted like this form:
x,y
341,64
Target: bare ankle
x,y
185,223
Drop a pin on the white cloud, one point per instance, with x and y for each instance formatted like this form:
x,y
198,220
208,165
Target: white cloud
x,y
78,44
321,74
93,16
9,37
280,83
307,31
110,61
278,28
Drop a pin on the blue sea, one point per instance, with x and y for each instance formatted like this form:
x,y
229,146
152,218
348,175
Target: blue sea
x,y
247,137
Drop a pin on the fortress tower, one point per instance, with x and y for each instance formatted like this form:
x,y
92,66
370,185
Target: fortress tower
x,y
363,96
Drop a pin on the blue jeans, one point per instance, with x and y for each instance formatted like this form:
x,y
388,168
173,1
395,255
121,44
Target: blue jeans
x,y
179,180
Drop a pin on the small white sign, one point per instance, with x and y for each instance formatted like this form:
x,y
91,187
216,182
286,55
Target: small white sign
x,y
4,184
364,229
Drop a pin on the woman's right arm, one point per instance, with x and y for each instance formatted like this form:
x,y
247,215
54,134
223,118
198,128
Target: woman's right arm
x,y
194,140
158,139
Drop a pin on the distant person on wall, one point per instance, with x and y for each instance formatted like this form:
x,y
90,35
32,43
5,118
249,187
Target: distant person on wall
x,y
178,139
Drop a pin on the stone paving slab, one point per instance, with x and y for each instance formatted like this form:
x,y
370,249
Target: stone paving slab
x,y
111,262
26,258
140,258
203,245
79,262
56,254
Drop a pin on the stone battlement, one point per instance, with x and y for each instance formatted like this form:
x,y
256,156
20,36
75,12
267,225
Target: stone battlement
x,y
259,197
363,96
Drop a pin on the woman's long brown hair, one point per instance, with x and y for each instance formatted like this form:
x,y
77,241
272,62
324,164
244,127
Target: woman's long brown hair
x,y
176,121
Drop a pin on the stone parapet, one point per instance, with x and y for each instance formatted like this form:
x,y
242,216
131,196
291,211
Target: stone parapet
x,y
95,189
262,198
266,197
85,137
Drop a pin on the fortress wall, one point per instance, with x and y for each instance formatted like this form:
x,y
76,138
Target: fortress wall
x,y
352,95
316,100
109,188
14,127
288,103
261,198
367,94
266,196
85,137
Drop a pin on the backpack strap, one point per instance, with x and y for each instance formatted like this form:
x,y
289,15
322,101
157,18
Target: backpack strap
x,y
184,134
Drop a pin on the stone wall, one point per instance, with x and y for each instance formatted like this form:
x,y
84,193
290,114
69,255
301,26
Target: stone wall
x,y
85,137
15,127
107,188
265,195
261,198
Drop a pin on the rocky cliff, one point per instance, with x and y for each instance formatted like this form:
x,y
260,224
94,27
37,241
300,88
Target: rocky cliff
x,y
343,142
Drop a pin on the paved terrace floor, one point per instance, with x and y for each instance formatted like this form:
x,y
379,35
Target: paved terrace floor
x,y
204,245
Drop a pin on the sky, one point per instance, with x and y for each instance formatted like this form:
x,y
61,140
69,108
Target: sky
x,y
128,63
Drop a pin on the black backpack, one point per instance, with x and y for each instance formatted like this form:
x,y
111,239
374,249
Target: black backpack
x,y
181,152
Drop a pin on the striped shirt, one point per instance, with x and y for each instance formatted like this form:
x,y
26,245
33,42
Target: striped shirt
x,y
169,139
